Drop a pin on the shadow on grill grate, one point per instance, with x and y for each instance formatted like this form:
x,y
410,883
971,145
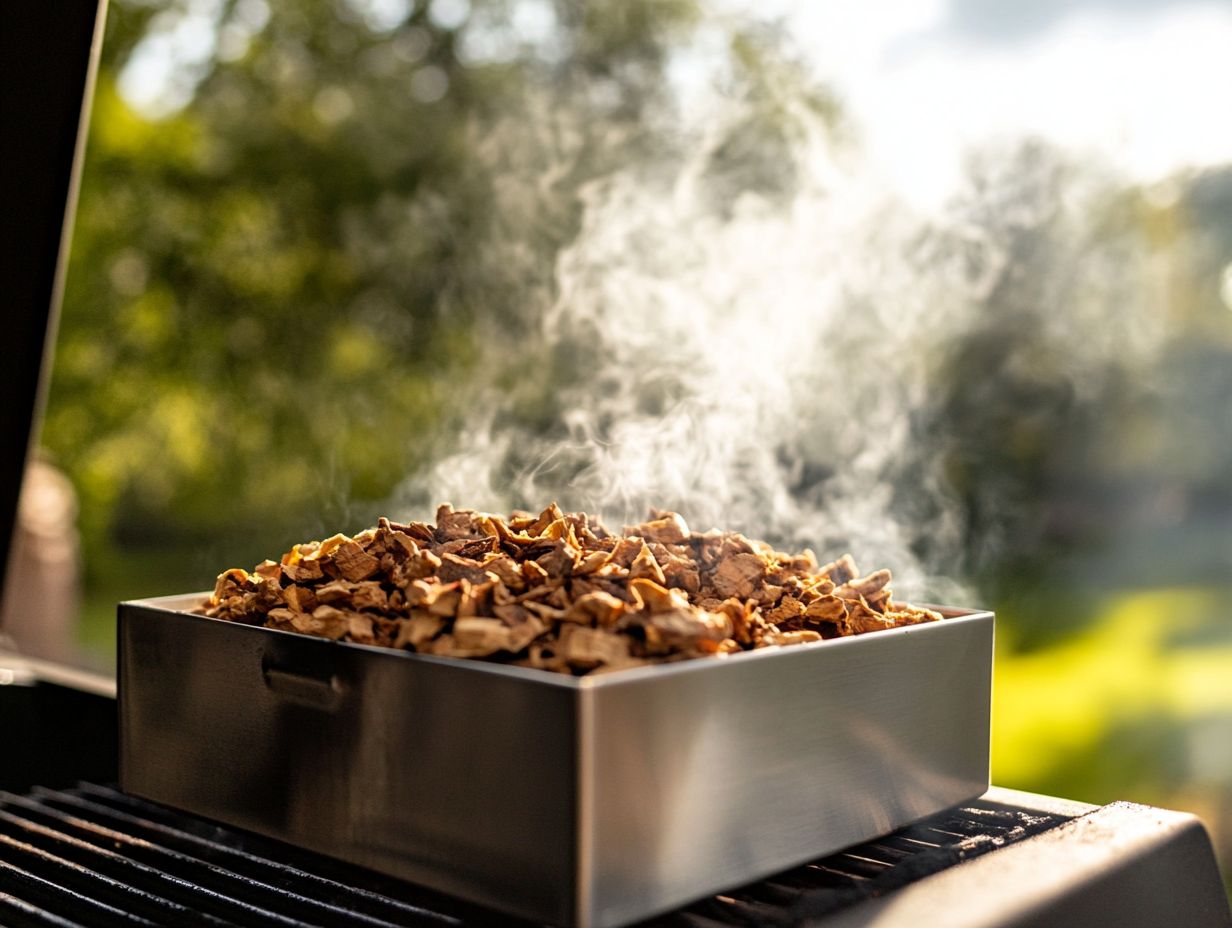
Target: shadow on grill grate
x,y
95,856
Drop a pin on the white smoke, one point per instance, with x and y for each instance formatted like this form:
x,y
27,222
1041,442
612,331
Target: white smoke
x,y
747,333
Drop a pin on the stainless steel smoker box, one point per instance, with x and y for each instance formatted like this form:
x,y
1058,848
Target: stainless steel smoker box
x,y
588,802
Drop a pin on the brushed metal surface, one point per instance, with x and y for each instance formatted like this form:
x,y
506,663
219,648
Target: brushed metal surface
x,y
590,801
457,776
708,776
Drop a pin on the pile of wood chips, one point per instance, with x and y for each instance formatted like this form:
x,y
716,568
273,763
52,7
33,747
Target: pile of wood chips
x,y
558,591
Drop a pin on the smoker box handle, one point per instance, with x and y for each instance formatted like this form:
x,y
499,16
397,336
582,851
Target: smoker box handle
x,y
314,687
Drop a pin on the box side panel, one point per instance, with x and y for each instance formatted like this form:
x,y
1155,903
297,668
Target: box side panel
x,y
707,780
459,780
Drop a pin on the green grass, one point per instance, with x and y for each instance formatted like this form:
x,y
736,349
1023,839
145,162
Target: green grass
x,y
1136,706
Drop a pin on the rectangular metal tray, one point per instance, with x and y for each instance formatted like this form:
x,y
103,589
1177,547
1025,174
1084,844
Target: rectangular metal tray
x,y
588,802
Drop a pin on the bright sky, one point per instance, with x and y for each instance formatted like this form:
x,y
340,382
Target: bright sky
x,y
1147,84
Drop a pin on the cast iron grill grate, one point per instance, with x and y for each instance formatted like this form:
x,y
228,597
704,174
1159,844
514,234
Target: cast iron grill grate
x,y
95,856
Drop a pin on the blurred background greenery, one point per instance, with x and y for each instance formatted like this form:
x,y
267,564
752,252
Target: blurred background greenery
x,y
278,284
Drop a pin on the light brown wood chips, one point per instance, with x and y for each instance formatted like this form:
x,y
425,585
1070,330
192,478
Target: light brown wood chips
x,y
558,591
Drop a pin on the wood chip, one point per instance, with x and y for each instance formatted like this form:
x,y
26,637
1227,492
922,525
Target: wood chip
x,y
739,575
645,566
669,528
557,591
587,648
417,630
353,562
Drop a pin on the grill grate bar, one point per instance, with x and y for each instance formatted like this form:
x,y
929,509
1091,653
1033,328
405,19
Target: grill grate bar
x,y
182,865
766,893
37,892
886,853
80,879
143,876
136,863
342,895
414,905
17,913
842,874
910,845
734,910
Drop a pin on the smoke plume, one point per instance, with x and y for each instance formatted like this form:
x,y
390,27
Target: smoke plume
x,y
726,314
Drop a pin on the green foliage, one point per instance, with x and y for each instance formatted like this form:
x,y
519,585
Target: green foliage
x,y
1136,706
268,308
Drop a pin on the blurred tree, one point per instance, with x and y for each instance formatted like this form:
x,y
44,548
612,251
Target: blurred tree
x,y
278,285
1084,417
269,302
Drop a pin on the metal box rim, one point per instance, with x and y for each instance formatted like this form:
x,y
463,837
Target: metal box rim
x,y
626,751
